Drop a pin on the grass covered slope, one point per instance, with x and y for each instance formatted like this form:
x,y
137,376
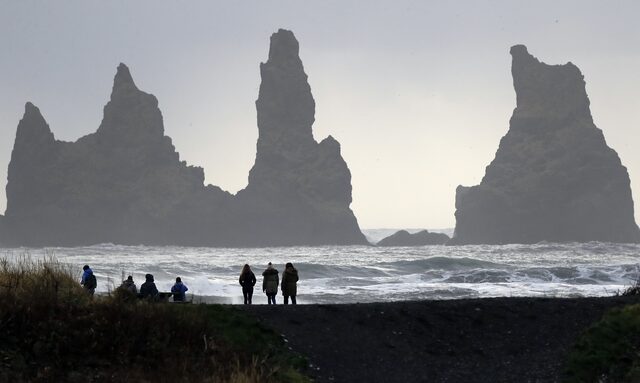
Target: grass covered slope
x,y
609,351
51,330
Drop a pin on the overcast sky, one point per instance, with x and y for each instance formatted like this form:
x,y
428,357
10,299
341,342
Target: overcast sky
x,y
418,93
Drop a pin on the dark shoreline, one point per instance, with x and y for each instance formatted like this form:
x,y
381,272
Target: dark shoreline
x,y
467,340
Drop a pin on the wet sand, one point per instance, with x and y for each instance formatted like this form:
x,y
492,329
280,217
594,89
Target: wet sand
x,y
471,340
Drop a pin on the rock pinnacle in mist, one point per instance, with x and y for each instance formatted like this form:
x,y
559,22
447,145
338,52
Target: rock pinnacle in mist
x,y
553,177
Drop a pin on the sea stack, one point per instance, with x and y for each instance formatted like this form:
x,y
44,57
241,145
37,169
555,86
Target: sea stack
x,y
421,238
122,184
553,177
299,190
125,183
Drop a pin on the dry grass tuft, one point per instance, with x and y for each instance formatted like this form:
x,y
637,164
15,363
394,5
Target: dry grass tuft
x,y
39,283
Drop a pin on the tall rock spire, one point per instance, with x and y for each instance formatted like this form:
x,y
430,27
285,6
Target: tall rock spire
x,y
303,185
553,177
285,106
32,150
550,91
131,115
33,128
122,80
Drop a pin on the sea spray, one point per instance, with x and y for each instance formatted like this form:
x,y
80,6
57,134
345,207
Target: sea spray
x,y
367,274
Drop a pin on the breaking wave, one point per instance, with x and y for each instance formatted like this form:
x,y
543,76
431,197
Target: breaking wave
x,y
350,274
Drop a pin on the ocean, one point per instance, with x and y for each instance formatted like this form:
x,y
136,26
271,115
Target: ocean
x,y
350,274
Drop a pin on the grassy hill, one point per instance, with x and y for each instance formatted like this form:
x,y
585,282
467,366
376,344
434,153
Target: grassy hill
x,y
52,330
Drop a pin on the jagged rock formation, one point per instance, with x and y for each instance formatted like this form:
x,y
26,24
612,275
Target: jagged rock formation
x,y
302,185
553,177
125,183
421,238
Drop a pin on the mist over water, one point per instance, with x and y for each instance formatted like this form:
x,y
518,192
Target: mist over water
x,y
352,274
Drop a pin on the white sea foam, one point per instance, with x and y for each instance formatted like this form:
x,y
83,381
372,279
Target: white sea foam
x,y
367,274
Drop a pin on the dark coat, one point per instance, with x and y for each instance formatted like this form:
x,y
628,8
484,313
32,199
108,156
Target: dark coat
x,y
129,286
289,282
247,281
148,290
270,281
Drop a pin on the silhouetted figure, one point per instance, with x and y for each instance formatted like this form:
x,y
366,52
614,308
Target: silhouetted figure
x,y
247,281
270,283
129,285
289,283
88,280
148,289
179,289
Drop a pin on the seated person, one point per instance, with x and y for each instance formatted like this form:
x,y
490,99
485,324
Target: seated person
x,y
178,290
148,288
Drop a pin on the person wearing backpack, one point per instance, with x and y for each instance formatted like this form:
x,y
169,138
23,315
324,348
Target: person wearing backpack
x,y
88,280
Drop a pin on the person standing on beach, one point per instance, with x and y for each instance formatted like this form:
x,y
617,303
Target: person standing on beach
x,y
148,289
289,283
270,283
247,281
179,290
88,280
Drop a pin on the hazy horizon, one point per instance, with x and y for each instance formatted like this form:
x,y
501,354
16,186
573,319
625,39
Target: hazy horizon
x,y
418,94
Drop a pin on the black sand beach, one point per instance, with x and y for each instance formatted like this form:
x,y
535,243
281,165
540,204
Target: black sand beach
x,y
473,340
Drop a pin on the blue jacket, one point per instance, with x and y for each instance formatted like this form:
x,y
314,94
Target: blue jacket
x,y
178,291
85,275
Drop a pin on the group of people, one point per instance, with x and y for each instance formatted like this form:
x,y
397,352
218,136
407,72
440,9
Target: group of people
x,y
270,282
148,289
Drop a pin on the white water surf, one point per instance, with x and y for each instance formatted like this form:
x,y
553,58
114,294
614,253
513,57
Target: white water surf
x,y
350,274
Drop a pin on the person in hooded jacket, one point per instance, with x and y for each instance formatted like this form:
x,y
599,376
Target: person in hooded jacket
x,y
179,289
247,281
148,289
129,285
88,280
289,283
270,283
